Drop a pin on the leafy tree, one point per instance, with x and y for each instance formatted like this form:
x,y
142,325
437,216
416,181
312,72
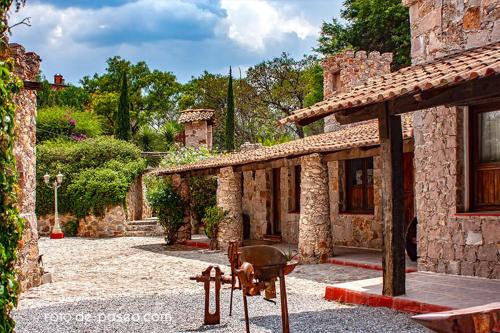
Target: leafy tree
x,y
153,95
283,84
122,129
229,137
71,96
372,25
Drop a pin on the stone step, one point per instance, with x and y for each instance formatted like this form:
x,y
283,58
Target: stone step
x,y
142,227
143,222
143,233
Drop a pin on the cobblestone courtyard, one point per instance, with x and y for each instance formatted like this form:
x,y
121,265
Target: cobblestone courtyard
x,y
141,285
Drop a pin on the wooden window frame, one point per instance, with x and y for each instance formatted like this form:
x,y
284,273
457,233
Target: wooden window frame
x,y
475,149
348,203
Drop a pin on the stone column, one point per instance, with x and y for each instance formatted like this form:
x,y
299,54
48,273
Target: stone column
x,y
229,199
182,186
315,237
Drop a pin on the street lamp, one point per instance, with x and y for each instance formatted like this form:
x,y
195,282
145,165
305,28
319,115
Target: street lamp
x,y
57,232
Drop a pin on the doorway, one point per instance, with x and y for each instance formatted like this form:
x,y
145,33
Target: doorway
x,y
274,227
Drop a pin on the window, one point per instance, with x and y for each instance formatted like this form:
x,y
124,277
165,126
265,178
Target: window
x,y
359,185
294,190
485,158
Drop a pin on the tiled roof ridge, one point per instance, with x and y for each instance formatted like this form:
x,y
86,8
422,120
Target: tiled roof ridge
x,y
447,70
364,134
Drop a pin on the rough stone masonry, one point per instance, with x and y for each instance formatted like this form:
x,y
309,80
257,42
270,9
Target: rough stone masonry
x,y
27,66
449,242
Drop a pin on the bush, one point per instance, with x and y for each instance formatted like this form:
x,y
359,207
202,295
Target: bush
x,y
203,195
97,173
70,228
66,123
213,217
167,205
186,155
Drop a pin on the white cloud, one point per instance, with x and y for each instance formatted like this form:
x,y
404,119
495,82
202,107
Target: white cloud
x,y
255,23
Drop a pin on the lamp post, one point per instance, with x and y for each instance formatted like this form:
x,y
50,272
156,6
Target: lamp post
x,y
57,232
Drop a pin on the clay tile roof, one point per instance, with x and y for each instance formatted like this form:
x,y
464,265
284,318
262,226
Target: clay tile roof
x,y
447,71
190,115
360,135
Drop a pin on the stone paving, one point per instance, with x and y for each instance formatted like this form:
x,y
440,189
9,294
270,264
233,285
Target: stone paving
x,y
112,274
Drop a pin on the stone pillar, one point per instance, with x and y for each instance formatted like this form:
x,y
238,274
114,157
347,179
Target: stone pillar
x,y
315,237
229,199
26,67
182,186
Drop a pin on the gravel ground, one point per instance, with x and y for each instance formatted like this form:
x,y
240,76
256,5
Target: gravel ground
x,y
94,281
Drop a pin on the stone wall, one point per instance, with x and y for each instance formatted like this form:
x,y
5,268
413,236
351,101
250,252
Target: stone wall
x,y
290,220
198,133
447,242
27,68
229,199
350,69
358,230
112,223
315,238
256,194
441,27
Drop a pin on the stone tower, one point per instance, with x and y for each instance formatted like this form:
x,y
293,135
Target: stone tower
x,y
197,127
349,69
441,27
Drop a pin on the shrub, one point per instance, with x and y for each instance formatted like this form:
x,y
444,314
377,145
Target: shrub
x,y
97,173
203,195
64,122
70,228
186,155
11,224
214,215
167,205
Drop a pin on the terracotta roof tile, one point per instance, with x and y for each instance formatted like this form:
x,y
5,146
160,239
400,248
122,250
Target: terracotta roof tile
x,y
448,71
364,134
190,115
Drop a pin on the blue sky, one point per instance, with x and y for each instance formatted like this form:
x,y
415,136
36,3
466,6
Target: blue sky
x,y
75,38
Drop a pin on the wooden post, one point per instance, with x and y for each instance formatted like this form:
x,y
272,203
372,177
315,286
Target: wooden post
x,y
391,153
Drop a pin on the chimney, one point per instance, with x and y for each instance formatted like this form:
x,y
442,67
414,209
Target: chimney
x,y
58,79
198,125
346,70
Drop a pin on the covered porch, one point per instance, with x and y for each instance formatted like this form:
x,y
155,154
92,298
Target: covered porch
x,y
298,193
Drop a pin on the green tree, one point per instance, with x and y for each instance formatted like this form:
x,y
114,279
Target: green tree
x,y
285,85
71,96
229,137
122,129
372,25
153,95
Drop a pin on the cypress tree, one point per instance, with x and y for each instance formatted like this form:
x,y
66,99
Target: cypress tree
x,y
229,137
122,122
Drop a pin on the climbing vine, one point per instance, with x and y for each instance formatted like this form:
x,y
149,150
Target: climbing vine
x,y
11,225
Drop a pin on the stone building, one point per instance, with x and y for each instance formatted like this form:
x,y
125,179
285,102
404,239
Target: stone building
x,y
458,211
197,127
327,189
26,67
455,51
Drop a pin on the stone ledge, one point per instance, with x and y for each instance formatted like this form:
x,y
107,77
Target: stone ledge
x,y
362,298
374,267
